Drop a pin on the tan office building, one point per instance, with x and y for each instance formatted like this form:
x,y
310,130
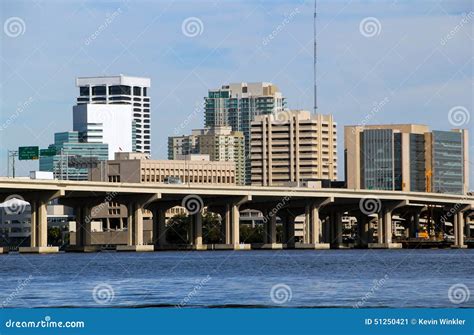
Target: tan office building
x,y
134,168
220,143
406,157
293,146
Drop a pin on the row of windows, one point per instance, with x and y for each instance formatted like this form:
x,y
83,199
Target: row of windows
x,y
113,90
192,179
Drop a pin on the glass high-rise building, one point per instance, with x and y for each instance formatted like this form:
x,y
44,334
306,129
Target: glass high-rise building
x,y
73,159
406,158
447,162
237,105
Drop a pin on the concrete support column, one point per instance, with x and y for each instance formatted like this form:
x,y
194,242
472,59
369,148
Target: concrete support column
x,y
327,230
78,214
86,226
235,231
416,224
370,237
159,231
138,225
130,225
455,229
387,221
227,224
460,229
315,225
290,231
42,224
266,229
107,224
307,225
34,224
380,226
338,217
272,232
362,230
197,223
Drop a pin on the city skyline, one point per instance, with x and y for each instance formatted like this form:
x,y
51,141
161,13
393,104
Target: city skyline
x,y
392,79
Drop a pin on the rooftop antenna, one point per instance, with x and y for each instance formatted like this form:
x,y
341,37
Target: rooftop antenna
x,y
314,62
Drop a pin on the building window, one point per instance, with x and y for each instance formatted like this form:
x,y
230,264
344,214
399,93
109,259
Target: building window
x,y
84,90
98,90
137,90
119,89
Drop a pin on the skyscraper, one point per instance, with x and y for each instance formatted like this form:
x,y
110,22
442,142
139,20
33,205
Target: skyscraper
x,y
293,146
237,105
406,157
124,90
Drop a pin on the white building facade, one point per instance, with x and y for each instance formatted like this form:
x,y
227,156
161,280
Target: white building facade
x,y
111,124
122,90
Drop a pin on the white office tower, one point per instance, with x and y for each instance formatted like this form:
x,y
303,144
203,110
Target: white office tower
x,y
121,90
111,124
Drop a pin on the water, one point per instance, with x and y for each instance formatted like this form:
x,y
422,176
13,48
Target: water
x,y
305,278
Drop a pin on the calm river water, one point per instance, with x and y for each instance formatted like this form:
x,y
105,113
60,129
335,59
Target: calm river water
x,y
286,278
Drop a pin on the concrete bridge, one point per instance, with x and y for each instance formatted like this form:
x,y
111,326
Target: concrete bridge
x,y
323,209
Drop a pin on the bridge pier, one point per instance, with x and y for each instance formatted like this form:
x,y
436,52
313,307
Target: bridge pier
x,y
385,227
39,228
159,228
459,227
362,231
135,229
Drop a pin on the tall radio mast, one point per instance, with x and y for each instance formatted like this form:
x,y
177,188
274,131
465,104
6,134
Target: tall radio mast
x,y
314,62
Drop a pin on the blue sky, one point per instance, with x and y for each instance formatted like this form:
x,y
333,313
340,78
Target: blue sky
x,y
419,60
